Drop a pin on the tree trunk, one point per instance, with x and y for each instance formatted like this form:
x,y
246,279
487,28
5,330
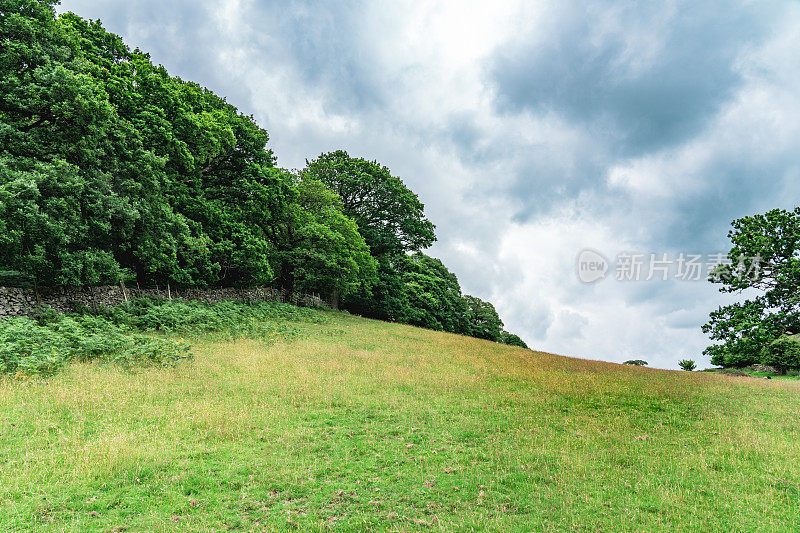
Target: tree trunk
x,y
286,282
334,298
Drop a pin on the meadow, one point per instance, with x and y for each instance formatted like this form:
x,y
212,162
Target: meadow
x,y
351,424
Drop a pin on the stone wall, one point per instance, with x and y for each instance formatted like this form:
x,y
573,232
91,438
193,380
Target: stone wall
x,y
15,302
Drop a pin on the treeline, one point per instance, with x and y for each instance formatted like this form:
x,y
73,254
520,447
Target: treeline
x,y
113,171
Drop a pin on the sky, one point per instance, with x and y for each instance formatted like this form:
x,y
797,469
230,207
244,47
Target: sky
x,y
532,131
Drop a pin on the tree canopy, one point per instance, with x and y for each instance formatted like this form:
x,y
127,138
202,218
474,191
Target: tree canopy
x,y
389,216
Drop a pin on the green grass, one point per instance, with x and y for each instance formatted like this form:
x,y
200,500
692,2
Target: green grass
x,y
792,375
356,424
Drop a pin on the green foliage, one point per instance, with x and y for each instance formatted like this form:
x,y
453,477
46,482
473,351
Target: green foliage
x,y
11,278
482,320
635,362
434,295
511,339
386,298
29,347
687,364
131,334
317,248
783,353
765,257
420,290
228,319
108,165
389,216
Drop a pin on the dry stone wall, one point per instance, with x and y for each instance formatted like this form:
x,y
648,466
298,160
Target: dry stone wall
x,y
15,301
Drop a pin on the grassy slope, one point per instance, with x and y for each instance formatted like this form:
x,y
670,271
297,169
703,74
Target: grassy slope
x,y
366,424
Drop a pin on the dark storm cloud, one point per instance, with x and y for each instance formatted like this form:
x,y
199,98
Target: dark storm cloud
x,y
638,80
608,79
325,43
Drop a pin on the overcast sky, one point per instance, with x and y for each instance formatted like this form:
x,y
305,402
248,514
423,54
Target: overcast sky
x,y
530,130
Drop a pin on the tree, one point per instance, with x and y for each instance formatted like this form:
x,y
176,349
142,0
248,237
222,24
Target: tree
x,y
482,320
58,209
765,259
783,353
511,339
687,365
109,167
389,216
386,298
434,295
315,246
636,362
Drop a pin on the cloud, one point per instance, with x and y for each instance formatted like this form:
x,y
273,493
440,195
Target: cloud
x,y
646,75
530,130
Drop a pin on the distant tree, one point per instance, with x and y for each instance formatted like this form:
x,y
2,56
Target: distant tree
x,y
511,339
635,362
389,216
434,295
687,364
764,257
782,353
482,319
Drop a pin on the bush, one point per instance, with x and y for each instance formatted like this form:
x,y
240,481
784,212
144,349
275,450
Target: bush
x,y
126,334
30,346
687,364
782,353
636,362
228,319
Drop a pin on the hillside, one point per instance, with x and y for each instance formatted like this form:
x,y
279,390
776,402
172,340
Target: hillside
x,y
352,424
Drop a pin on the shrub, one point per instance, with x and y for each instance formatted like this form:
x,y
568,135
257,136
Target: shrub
x,y
126,335
228,319
687,364
635,362
28,347
782,353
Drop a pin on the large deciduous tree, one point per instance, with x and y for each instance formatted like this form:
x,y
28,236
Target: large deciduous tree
x,y
764,261
391,219
389,216
315,246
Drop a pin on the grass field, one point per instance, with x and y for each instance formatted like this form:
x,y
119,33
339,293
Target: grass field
x,y
357,424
